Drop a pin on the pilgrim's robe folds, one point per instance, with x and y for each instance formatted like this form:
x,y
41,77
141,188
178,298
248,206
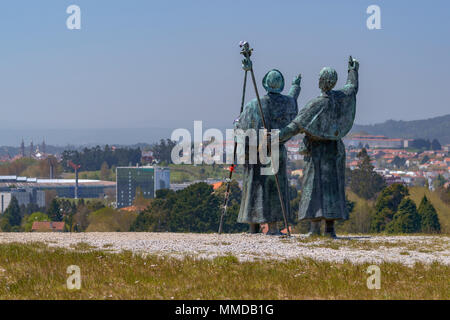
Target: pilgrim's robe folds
x,y
325,121
260,201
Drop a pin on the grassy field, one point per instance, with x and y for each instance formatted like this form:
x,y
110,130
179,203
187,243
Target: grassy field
x,y
178,173
443,210
38,272
91,175
188,173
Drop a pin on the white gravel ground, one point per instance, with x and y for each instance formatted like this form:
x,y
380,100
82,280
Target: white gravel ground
x,y
354,248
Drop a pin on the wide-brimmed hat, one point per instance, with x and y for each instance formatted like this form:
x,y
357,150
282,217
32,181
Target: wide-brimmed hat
x,y
273,81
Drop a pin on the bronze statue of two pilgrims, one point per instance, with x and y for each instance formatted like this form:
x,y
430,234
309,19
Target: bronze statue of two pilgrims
x,y
324,121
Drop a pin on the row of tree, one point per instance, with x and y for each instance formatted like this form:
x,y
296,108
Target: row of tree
x,y
29,167
396,213
76,215
92,159
162,151
196,208
425,144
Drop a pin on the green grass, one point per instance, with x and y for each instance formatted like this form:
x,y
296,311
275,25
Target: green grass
x,y
354,197
82,246
435,244
91,175
179,173
72,200
34,271
188,173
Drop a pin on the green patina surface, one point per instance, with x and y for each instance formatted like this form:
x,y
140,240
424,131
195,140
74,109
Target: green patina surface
x,y
260,201
325,120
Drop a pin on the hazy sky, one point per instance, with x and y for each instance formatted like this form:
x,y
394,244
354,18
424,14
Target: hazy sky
x,y
144,63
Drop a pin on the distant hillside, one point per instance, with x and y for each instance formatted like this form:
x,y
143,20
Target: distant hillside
x,y
438,128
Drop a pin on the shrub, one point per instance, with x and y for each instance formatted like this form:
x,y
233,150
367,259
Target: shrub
x,y
36,216
110,220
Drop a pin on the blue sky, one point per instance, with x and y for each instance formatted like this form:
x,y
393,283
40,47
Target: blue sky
x,y
164,64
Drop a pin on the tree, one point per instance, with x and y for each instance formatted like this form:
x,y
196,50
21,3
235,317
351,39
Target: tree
x,y
439,182
444,194
68,210
81,217
435,145
91,159
164,193
386,205
13,212
398,162
29,209
235,191
69,221
421,144
196,208
49,196
11,218
154,218
230,224
406,219
140,202
4,225
380,219
425,159
391,196
54,211
162,151
429,217
105,173
36,216
359,219
110,220
95,205
364,181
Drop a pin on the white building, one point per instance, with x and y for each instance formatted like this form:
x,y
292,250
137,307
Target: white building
x,y
23,196
148,179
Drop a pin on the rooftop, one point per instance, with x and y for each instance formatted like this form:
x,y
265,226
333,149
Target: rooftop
x,y
46,226
7,181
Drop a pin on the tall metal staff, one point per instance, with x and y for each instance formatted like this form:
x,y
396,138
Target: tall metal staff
x,y
246,52
246,48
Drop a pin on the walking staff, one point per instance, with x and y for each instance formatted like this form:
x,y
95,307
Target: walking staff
x,y
247,64
246,52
